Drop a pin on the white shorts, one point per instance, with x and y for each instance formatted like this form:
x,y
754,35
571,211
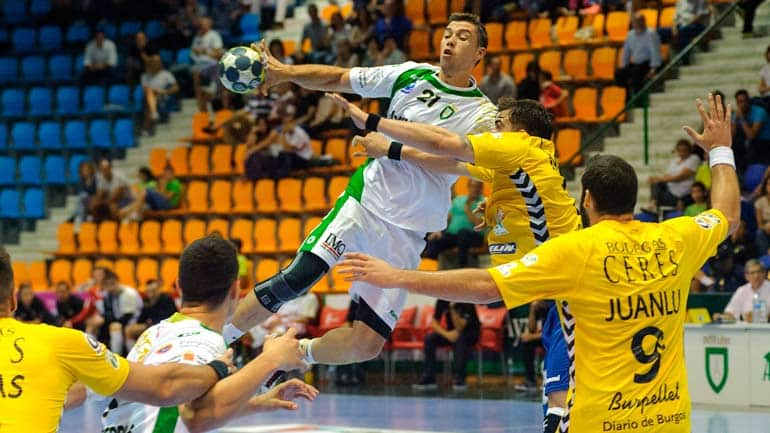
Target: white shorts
x,y
350,227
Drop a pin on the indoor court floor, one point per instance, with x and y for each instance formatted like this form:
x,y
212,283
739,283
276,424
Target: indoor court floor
x,y
348,413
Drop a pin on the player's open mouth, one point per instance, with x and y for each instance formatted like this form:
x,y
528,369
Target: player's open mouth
x,y
446,52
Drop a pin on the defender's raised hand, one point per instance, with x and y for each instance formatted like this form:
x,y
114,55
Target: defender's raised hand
x,y
716,124
356,114
375,145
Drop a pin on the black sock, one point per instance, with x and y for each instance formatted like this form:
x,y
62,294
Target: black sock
x,y
552,419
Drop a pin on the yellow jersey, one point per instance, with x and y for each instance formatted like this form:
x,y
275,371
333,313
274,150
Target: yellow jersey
x,y
39,363
626,284
529,202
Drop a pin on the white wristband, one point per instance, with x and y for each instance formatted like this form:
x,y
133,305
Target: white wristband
x,y
305,345
721,155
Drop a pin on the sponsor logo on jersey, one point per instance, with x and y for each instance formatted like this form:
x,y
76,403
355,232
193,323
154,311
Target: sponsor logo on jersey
x,y
447,112
188,356
508,248
500,229
112,359
393,314
165,348
707,220
94,343
529,259
310,240
408,89
334,245
119,429
507,268
395,116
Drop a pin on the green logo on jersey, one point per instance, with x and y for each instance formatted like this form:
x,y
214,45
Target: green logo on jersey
x,y
447,112
717,367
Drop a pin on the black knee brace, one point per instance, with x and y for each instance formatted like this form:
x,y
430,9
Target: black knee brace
x,y
291,283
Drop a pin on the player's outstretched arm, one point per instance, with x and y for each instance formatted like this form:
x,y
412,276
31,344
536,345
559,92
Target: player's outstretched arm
x,y
428,138
376,145
716,139
460,285
230,397
314,77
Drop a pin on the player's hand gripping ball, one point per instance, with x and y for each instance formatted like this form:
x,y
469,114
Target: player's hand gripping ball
x,y
242,69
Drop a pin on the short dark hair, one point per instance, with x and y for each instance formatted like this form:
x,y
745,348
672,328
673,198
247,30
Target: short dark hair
x,y
481,31
528,115
743,92
699,185
110,275
613,184
207,269
533,66
6,276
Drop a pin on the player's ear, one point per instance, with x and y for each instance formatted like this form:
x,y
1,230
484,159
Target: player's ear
x,y
480,53
177,288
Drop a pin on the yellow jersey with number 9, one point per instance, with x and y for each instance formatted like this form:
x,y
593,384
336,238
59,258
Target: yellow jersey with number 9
x,y
626,284
39,363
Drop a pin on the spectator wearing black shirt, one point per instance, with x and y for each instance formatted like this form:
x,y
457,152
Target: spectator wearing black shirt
x,y
31,309
157,306
529,87
454,324
69,307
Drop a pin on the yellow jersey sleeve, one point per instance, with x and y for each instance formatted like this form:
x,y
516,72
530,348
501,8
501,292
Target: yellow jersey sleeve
x,y
499,150
480,173
540,274
91,363
707,229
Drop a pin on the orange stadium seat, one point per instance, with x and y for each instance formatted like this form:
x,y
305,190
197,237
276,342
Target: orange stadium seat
x,y
169,270
347,10
125,269
666,18
243,229
495,33
617,25
566,26
429,265
317,146
613,101
597,22
178,161
194,229
584,102
87,238
264,234
419,44
81,271
665,52
289,46
238,158
551,61
355,161
337,148
567,145
158,161
222,160
314,195
197,197
220,117
199,160
146,269
307,45
20,272
478,72
107,234
105,263
149,234
38,277
264,193
328,11
266,268
650,17
220,195
171,236
289,233
603,63
60,270
218,225
336,187
243,196
436,37
310,224
516,36
576,64
128,238
289,192
437,12
539,31
456,6
338,280
519,67
415,11
200,120
65,234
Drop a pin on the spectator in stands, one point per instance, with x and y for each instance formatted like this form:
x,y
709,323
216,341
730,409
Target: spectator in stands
x,y
346,58
641,56
188,17
157,306
460,232
762,209
121,306
307,109
139,51
553,97
456,325
391,54
690,19
749,11
393,23
764,79
93,293
699,197
162,194
277,50
496,83
160,88
740,305
296,151
338,31
529,86
673,187
703,173
207,47
113,192
258,162
86,189
30,308
372,54
724,271
226,15
99,60
318,34
243,265
579,7
751,126
297,314
272,13
362,28
69,307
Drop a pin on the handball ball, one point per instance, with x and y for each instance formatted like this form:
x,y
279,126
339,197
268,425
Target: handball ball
x,y
242,69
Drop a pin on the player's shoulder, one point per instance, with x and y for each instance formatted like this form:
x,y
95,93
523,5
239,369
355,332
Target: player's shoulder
x,y
710,219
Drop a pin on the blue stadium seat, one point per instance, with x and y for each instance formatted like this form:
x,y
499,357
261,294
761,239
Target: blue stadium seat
x,y
13,103
129,28
9,70
34,203
167,57
3,137
49,136
29,170
119,95
110,31
100,134
249,25
23,40
33,69
78,65
60,68
49,38
40,101
154,29
7,171
67,101
75,134
93,99
753,176
124,133
138,99
74,166
183,57
4,36
40,7
23,136
77,33
9,204
55,170
14,11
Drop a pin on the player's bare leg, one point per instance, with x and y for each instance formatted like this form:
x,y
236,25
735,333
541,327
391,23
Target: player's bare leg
x,y
346,345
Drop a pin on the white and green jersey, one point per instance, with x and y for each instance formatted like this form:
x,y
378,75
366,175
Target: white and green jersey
x,y
176,339
404,194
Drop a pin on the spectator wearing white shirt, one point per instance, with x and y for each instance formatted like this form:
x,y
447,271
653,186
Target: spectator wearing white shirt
x,y
296,150
641,56
740,305
673,187
764,78
690,19
496,83
159,87
207,48
99,60
121,306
